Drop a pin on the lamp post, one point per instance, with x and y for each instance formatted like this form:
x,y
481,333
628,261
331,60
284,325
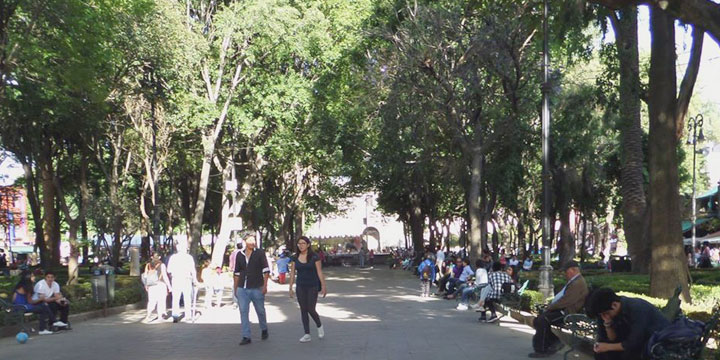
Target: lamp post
x,y
546,286
695,135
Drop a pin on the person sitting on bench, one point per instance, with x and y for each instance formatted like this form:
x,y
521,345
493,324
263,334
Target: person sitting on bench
x,y
497,279
49,290
23,296
624,324
569,300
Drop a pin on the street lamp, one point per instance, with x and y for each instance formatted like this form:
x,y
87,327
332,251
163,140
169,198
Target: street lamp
x,y
695,135
546,285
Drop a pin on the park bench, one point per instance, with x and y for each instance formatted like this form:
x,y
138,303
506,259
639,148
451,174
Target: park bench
x,y
579,333
16,313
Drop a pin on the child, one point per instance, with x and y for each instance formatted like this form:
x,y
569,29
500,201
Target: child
x,y
282,267
427,274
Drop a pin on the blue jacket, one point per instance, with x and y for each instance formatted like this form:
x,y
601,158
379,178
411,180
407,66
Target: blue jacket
x,y
422,266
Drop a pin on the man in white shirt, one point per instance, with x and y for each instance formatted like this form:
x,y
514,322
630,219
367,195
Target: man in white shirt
x,y
49,291
183,276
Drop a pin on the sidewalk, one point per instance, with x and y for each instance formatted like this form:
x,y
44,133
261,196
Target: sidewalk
x,y
369,314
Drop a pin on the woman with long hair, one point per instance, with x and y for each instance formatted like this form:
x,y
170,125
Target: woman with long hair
x,y
310,280
157,285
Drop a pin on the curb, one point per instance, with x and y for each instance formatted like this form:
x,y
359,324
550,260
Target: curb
x,y
12,330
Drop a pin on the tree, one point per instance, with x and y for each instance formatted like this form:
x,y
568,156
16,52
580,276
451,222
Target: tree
x,y
705,14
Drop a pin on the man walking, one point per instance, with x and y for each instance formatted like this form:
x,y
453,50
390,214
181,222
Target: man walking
x,y
250,285
181,268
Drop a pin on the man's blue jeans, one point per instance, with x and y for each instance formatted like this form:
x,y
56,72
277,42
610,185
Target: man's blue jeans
x,y
245,296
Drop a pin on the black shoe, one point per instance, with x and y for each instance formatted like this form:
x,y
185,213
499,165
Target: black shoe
x,y
245,341
482,319
265,335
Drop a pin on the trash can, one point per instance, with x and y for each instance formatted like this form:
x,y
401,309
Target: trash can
x,y
99,285
110,283
103,284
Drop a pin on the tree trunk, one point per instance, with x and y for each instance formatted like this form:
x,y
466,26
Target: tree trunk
x,y
566,247
417,224
49,210
477,243
632,182
522,247
33,199
669,266
199,208
74,252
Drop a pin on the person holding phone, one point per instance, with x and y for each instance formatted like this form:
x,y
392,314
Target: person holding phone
x,y
310,281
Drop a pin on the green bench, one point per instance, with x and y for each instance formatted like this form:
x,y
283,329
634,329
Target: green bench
x,y
16,313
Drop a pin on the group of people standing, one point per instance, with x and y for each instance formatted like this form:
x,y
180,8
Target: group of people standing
x,y
251,272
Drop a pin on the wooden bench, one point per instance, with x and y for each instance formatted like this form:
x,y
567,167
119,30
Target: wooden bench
x,y
579,331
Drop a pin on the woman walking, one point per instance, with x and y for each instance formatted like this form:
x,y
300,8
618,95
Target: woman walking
x,y
310,280
157,285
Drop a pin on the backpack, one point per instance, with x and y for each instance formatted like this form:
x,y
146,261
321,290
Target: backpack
x,y
682,330
425,270
150,277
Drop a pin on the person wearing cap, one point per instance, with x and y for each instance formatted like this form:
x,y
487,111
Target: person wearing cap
x,y
569,300
157,285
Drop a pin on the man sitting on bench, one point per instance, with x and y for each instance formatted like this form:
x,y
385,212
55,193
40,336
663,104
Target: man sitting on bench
x,y
624,324
569,300
48,291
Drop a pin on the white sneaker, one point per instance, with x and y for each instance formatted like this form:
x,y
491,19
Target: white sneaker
x,y
60,324
305,338
462,307
45,332
321,332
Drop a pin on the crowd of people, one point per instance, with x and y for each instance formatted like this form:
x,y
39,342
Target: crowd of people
x,y
705,256
625,325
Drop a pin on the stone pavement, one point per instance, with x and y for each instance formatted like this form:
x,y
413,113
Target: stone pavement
x,y
369,314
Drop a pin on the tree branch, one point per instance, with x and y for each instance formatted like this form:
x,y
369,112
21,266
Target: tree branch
x,y
688,82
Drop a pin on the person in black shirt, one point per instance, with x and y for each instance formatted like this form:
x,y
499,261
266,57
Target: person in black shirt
x,y
3,263
250,284
624,324
310,280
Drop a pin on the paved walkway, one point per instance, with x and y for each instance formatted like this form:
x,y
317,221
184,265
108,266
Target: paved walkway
x,y
369,314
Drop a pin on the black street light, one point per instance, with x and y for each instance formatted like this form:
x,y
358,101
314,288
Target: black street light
x,y
546,286
695,135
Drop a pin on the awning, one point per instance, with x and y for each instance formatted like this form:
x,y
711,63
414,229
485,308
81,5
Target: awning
x,y
713,238
22,249
687,225
708,194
